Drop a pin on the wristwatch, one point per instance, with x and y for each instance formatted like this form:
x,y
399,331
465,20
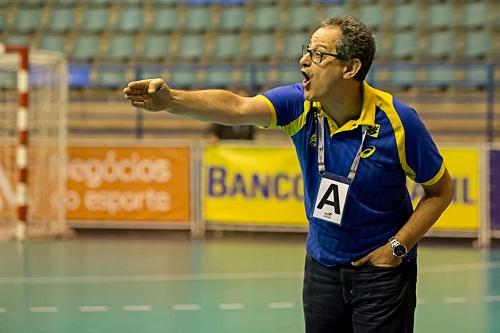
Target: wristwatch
x,y
398,249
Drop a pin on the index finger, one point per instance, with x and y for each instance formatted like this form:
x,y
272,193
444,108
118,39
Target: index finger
x,y
139,85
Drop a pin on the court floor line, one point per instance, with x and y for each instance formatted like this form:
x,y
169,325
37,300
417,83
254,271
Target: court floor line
x,y
44,309
215,276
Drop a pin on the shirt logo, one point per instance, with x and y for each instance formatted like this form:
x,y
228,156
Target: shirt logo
x,y
312,140
368,151
373,131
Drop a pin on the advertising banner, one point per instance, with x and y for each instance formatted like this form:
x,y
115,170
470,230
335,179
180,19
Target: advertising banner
x,y
252,185
129,184
464,212
495,189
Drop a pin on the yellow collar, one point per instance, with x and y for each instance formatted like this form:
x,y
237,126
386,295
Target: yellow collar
x,y
367,116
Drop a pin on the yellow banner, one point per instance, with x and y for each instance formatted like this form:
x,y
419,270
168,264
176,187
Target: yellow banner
x,y
248,185
464,212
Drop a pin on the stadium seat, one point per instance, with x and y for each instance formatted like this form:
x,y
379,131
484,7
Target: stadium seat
x,y
183,76
65,3
52,43
28,19
372,15
232,18
475,15
476,76
477,44
440,45
403,45
110,77
440,16
293,45
17,40
121,48
288,75
218,77
266,18
164,20
440,76
156,47
262,46
61,19
301,17
2,21
191,47
198,19
95,19
402,77
405,16
335,9
130,19
31,2
86,48
227,47
100,2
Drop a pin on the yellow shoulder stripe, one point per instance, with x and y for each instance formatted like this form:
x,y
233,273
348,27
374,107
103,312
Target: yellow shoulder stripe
x,y
272,110
385,102
299,122
437,177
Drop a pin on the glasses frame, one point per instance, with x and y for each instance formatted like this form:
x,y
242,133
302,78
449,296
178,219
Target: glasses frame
x,y
307,49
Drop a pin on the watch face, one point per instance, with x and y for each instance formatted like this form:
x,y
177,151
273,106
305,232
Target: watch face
x,y
399,250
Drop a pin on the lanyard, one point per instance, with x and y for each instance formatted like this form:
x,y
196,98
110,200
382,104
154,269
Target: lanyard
x,y
321,147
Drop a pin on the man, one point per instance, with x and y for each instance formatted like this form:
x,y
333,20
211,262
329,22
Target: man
x,y
355,145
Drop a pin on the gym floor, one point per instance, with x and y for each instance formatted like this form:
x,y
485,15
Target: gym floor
x,y
237,283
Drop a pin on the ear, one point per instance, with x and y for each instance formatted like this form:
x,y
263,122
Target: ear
x,y
351,68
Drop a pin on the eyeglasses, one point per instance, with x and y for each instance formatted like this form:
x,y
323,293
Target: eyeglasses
x,y
317,56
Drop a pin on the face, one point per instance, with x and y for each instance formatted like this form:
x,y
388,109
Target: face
x,y
320,79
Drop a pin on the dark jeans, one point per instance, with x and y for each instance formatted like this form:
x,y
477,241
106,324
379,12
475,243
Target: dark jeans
x,y
365,299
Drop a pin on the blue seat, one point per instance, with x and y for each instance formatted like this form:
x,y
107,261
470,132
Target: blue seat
x,y
261,46
130,19
293,45
17,40
440,76
61,19
52,43
198,19
475,14
288,75
191,47
156,47
404,45
183,77
477,44
28,19
440,45
266,18
232,18
121,48
227,47
372,15
86,48
336,9
440,16
218,77
2,21
405,16
300,17
164,20
402,77
110,77
95,19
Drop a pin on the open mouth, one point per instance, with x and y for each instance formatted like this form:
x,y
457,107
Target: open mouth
x,y
307,79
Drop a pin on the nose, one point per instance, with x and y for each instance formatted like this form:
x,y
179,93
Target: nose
x,y
305,60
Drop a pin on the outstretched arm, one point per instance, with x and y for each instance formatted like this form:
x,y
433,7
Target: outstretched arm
x,y
216,106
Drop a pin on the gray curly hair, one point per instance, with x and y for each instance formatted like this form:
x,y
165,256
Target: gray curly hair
x,y
356,42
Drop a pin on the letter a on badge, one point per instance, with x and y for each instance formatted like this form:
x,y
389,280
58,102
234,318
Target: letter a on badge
x,y
330,200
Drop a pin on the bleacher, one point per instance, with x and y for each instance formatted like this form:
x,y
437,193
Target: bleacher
x,y
449,46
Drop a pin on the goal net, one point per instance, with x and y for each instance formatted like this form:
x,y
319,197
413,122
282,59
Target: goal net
x,y
32,144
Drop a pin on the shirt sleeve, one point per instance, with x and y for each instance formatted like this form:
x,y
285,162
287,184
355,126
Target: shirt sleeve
x,y
422,154
286,103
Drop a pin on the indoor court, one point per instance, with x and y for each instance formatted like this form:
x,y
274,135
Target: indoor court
x,y
238,283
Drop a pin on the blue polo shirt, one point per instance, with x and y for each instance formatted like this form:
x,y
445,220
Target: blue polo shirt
x,y
378,204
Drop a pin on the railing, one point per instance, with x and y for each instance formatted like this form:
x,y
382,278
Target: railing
x,y
468,88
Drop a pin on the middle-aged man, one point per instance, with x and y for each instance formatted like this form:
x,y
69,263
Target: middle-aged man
x,y
355,145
